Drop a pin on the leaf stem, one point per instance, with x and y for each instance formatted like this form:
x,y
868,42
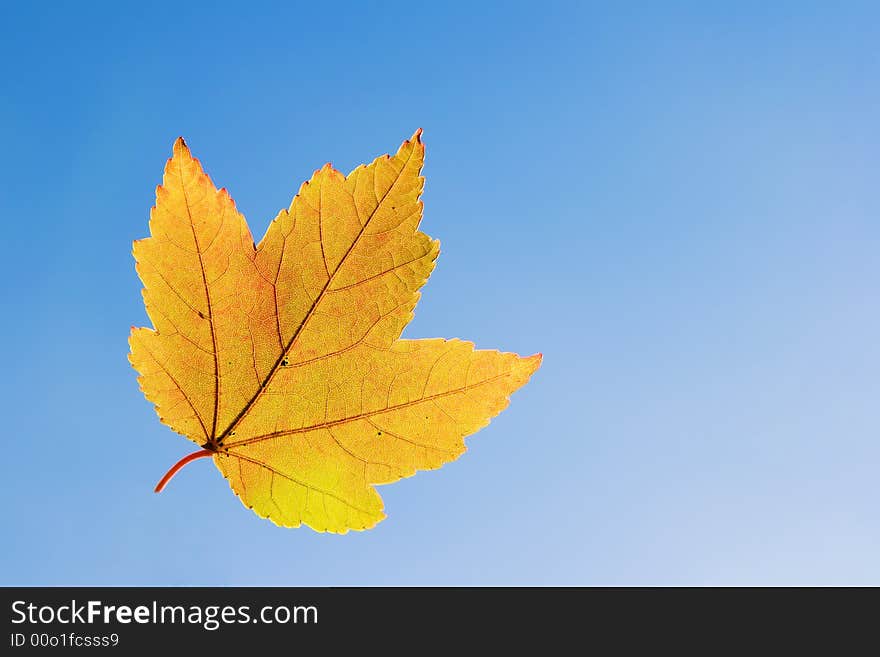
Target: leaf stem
x,y
202,453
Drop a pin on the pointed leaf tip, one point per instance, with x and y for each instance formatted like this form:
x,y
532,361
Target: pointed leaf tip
x,y
180,146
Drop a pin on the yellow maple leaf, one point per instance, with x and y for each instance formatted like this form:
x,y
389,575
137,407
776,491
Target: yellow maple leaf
x,y
284,361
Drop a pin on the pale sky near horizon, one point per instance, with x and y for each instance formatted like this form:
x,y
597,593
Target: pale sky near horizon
x,y
677,204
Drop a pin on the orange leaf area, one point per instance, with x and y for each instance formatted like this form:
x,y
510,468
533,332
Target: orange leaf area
x,y
284,359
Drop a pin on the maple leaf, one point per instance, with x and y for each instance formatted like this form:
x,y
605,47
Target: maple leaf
x,y
284,361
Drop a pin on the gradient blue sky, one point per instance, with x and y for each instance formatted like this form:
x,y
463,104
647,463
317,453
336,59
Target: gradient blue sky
x,y
676,204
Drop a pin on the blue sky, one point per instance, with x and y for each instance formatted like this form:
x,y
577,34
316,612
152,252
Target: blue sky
x,y
676,204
